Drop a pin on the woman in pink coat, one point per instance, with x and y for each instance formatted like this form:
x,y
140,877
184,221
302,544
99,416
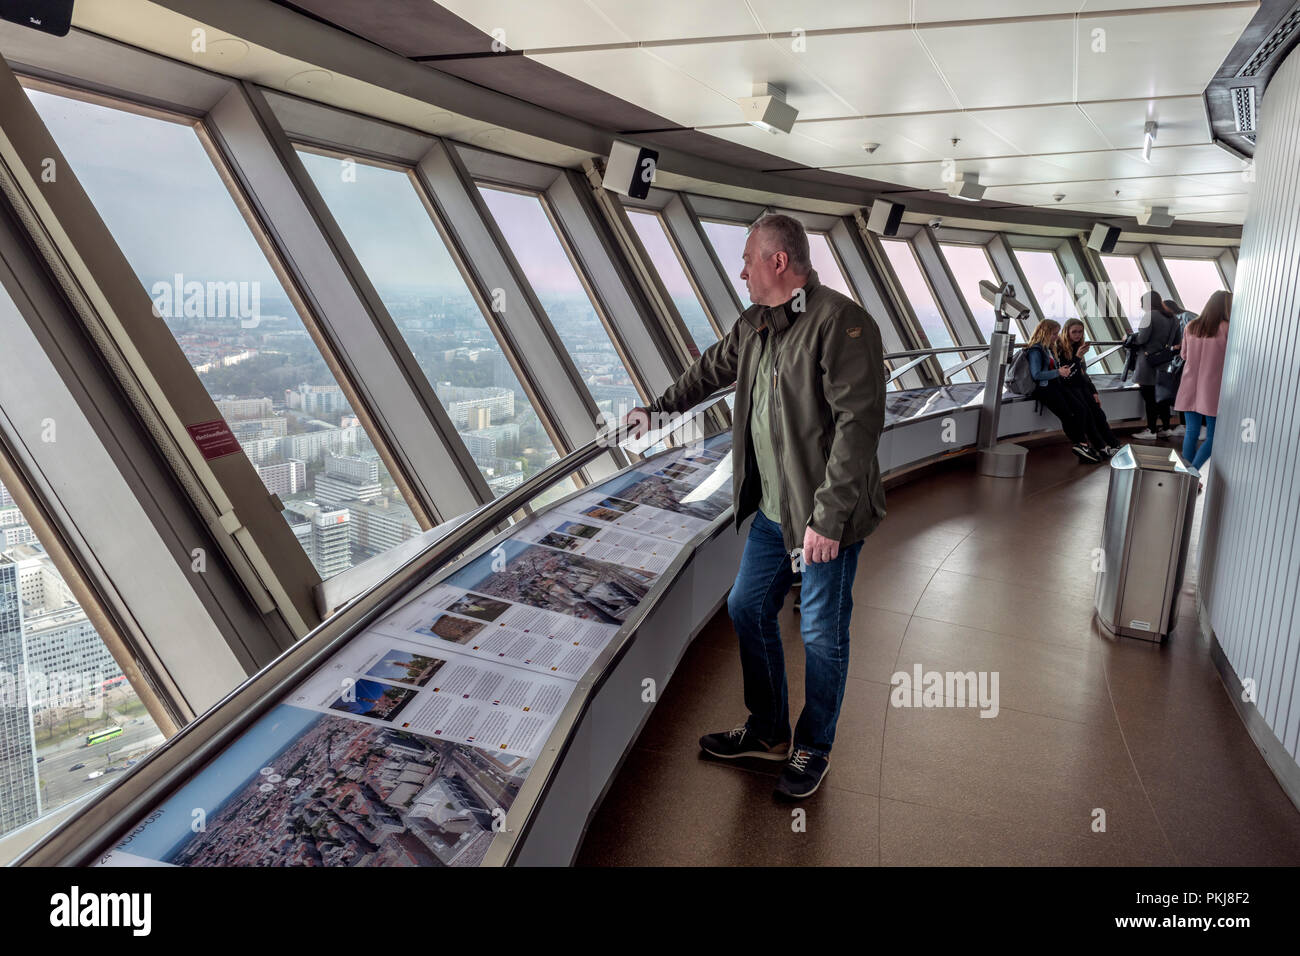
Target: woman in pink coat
x,y
1205,343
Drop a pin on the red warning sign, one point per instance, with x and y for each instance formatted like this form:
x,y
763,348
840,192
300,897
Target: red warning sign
x,y
214,439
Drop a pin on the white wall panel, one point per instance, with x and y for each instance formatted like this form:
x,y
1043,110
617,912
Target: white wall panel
x,y
1250,553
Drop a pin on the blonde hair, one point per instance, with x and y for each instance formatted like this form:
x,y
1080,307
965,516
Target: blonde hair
x,y
1045,333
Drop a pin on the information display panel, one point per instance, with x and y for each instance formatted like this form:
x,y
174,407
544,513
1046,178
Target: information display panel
x,y
408,746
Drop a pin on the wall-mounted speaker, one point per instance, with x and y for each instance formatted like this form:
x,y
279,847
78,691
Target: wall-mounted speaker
x,y
48,16
1103,237
885,217
630,170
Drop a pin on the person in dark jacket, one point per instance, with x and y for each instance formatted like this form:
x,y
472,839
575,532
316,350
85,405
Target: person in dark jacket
x,y
1157,338
1050,387
808,364
1071,352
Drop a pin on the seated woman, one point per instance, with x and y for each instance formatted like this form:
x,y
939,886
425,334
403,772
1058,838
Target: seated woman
x,y
1050,391
1070,351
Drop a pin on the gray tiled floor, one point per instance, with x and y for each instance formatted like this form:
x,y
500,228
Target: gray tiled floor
x,y
968,573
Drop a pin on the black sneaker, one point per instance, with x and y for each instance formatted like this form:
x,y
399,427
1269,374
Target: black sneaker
x,y
802,775
741,742
1084,453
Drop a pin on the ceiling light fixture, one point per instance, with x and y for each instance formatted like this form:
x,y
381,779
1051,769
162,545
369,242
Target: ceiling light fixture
x,y
1157,216
768,110
968,187
1148,137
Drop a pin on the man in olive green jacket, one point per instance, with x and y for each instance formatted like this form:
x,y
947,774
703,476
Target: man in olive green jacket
x,y
809,408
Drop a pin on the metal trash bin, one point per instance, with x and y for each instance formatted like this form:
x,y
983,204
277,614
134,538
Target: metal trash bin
x,y
1144,541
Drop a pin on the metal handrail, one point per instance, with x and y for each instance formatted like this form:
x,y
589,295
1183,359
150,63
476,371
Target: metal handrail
x,y
919,356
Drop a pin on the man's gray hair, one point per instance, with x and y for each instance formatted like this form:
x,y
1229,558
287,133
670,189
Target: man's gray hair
x,y
785,234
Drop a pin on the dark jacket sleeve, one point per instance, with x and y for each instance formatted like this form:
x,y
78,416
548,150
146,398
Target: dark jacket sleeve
x,y
1143,335
853,383
713,370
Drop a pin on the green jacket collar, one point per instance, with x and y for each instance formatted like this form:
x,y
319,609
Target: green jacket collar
x,y
779,317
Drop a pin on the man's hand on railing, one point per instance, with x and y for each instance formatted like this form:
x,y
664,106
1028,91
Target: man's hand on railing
x,y
637,422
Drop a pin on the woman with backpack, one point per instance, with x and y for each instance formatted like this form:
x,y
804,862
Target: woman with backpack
x,y
1049,388
1156,342
1204,349
1070,350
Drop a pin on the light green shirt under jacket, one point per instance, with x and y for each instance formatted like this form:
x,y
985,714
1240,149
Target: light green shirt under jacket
x,y
760,429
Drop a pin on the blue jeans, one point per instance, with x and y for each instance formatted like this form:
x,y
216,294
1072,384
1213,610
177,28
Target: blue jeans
x,y
1194,456
762,583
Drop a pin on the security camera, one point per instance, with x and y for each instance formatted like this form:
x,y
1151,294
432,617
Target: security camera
x,y
871,147
936,222
1058,196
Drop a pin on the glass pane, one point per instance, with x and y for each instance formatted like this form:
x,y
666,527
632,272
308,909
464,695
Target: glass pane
x,y
828,269
157,190
728,241
970,265
1129,283
917,290
388,227
650,229
1195,280
1045,278
554,279
61,687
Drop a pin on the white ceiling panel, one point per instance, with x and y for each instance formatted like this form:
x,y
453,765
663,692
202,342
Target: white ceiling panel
x,y
1156,54
1012,170
1006,64
1181,119
931,10
1234,182
1096,6
850,134
1106,164
1235,218
638,77
676,19
935,132
797,147
878,73
732,69
1190,159
1044,129
564,23
914,175
783,17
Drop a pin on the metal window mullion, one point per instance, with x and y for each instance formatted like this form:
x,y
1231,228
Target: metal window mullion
x,y
930,372
864,274
1227,263
1154,267
403,416
952,304
653,362
1008,269
1078,266
549,376
701,262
